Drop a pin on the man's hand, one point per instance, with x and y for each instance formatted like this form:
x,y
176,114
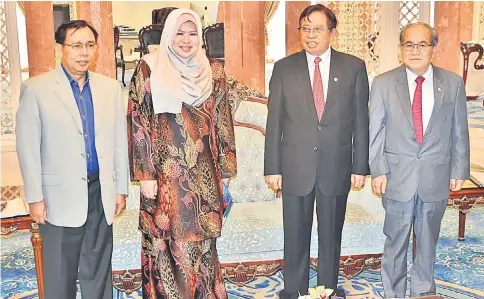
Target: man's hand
x,y
226,182
379,185
120,203
357,181
38,212
456,185
274,181
149,189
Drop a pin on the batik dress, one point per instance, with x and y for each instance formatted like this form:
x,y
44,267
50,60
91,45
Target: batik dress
x,y
189,154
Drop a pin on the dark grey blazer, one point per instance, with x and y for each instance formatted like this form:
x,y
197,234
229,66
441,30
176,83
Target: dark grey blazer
x,y
304,150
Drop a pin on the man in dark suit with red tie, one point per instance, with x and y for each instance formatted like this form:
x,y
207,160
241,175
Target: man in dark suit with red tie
x,y
316,146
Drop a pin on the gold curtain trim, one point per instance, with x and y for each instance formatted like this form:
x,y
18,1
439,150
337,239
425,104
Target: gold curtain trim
x,y
21,6
270,8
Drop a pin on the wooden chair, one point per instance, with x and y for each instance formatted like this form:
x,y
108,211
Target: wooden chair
x,y
119,61
213,39
149,35
158,16
467,49
36,240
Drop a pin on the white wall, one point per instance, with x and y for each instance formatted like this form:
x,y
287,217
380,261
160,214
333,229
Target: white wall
x,y
138,13
22,38
211,11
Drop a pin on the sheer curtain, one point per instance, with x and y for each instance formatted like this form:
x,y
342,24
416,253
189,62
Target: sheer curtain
x,y
270,8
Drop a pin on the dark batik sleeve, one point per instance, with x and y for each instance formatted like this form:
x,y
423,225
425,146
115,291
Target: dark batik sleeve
x,y
139,118
225,132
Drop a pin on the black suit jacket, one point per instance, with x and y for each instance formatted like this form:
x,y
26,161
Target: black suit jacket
x,y
309,152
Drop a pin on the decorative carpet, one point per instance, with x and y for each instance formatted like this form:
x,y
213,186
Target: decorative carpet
x,y
459,267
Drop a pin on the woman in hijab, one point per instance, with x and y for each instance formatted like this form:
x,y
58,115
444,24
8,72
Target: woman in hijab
x,y
182,147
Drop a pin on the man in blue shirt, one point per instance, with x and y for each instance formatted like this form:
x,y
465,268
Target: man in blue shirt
x,y
72,147
83,98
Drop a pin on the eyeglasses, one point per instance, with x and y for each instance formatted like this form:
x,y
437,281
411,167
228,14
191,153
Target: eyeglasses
x,y
79,46
316,30
422,48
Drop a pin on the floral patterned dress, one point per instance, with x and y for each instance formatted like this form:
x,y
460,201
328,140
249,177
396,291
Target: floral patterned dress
x,y
189,154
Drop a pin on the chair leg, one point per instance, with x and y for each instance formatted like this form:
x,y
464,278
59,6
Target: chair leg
x,y
124,69
462,226
37,241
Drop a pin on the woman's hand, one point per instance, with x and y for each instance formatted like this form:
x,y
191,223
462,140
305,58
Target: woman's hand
x,y
149,189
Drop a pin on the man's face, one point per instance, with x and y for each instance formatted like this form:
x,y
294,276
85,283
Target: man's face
x,y
78,50
314,33
416,49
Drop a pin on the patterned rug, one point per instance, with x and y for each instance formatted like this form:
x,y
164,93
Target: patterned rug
x,y
475,112
367,285
459,267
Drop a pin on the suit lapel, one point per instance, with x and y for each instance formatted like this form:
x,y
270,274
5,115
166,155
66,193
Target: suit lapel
x,y
438,95
64,92
305,82
335,68
401,86
96,92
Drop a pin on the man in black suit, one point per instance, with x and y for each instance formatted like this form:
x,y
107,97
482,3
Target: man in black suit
x,y
317,140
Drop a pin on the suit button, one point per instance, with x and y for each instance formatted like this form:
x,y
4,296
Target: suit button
x,y
83,179
419,157
319,127
82,155
315,148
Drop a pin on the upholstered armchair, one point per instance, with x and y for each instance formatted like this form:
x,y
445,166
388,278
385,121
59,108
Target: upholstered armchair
x,y
249,108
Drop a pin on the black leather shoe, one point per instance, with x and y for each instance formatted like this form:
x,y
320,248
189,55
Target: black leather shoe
x,y
338,294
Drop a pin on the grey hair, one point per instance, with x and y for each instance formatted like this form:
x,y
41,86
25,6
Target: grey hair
x,y
434,39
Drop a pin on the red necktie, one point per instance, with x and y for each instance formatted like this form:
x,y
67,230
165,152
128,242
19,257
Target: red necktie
x,y
318,92
417,110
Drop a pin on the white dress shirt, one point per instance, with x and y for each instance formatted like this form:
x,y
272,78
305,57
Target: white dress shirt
x,y
427,93
323,68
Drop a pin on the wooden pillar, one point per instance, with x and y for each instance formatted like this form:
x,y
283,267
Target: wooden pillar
x,y
453,22
233,38
244,41
293,11
253,47
220,12
100,14
39,23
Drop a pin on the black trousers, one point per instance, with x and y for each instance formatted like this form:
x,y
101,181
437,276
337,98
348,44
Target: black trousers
x,y
83,253
298,218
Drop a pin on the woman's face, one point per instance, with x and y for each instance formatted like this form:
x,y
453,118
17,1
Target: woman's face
x,y
186,41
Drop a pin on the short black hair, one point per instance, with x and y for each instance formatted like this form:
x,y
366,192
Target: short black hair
x,y
60,34
332,21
